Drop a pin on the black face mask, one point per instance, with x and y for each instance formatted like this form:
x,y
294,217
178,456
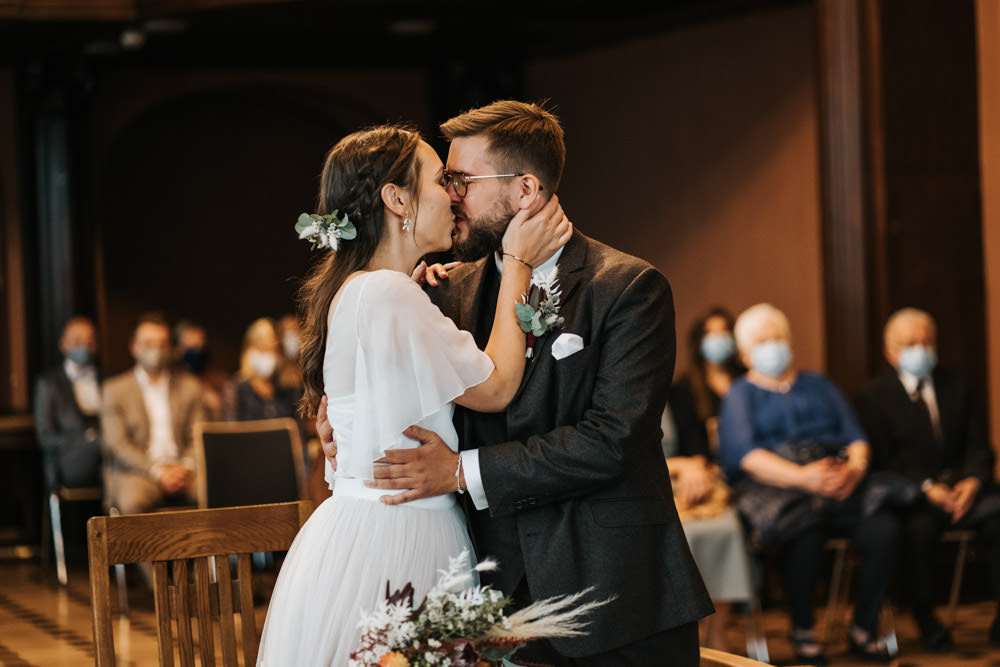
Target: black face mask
x,y
195,359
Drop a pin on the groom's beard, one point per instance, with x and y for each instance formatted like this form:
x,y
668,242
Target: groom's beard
x,y
484,233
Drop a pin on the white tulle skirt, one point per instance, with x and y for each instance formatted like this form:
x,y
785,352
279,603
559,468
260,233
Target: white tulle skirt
x,y
338,567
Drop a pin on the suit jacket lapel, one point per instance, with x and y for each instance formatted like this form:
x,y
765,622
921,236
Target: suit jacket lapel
x,y
478,301
135,395
571,264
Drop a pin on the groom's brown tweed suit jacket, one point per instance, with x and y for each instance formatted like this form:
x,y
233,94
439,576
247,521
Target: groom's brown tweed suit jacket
x,y
578,489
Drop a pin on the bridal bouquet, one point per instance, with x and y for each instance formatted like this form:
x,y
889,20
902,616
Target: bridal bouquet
x,y
458,626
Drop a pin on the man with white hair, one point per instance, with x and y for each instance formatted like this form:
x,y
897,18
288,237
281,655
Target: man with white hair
x,y
922,423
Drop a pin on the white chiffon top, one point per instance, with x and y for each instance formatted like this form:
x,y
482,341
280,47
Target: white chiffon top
x,y
392,360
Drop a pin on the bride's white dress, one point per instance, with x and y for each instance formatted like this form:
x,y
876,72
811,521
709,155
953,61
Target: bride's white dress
x,y
392,360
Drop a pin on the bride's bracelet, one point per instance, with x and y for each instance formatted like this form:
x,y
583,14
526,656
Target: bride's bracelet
x,y
458,475
518,259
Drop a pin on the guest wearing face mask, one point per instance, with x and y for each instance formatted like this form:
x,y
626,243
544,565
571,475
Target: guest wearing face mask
x,y
288,334
67,407
259,393
710,523
148,417
796,457
923,423
191,354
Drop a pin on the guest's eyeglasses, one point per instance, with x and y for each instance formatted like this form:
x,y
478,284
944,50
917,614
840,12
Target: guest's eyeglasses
x,y
460,181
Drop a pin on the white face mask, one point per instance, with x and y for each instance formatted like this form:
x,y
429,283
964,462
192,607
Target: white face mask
x,y
262,363
150,358
290,345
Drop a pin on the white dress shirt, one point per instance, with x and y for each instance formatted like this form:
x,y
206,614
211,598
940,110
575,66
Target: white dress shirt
x,y
86,389
156,395
470,457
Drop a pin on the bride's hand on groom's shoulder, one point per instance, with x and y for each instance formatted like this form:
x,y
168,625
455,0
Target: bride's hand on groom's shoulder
x,y
428,470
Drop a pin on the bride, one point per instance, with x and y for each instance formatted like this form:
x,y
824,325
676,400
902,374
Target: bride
x,y
387,359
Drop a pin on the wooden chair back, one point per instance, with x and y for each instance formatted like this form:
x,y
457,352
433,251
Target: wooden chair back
x,y
192,578
250,462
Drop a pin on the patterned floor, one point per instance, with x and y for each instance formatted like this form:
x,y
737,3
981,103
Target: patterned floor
x,y
45,625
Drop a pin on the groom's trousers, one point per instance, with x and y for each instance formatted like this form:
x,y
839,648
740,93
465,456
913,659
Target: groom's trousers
x,y
676,647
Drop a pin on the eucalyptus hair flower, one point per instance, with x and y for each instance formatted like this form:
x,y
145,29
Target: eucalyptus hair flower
x,y
325,231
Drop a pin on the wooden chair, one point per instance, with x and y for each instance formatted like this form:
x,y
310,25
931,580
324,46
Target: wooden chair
x,y
963,538
713,658
190,551
250,462
52,528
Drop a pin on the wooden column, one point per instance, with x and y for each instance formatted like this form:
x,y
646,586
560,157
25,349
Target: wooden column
x,y
844,202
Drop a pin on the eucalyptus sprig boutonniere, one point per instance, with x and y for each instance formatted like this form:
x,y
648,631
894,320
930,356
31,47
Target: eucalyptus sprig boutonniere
x,y
325,231
538,311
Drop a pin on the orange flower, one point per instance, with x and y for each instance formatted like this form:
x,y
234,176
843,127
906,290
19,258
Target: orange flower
x,y
393,659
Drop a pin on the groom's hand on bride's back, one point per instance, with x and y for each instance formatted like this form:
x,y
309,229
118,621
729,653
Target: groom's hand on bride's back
x,y
325,432
428,470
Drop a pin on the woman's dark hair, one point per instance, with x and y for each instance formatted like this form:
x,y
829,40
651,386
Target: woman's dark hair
x,y
354,172
704,400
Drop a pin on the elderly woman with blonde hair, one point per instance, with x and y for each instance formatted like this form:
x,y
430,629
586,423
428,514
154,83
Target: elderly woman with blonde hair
x,y
797,458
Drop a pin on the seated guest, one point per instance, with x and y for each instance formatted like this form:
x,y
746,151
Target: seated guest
x,y
259,393
701,494
67,409
191,355
922,423
148,418
795,454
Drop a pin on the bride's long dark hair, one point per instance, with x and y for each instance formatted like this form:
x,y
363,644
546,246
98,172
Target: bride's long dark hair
x,y
354,172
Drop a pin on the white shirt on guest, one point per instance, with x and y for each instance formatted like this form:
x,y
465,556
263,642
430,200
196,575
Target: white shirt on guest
x,y
156,395
470,457
86,389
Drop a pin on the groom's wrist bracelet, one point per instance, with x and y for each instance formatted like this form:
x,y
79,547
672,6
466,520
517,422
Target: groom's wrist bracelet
x,y
458,475
516,258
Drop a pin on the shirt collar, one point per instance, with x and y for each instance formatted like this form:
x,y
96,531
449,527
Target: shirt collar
x,y
75,371
146,382
911,382
544,269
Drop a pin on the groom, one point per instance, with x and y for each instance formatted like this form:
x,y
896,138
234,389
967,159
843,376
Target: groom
x,y
568,487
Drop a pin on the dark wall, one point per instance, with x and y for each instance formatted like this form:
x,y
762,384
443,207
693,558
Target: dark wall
x,y
198,191
933,226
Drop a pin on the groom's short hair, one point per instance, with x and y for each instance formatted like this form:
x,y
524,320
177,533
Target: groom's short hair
x,y
524,137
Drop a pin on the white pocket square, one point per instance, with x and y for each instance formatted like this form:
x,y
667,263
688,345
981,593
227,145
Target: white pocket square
x,y
566,345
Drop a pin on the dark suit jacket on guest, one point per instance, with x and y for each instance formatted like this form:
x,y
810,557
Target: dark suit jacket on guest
x,y
70,440
578,490
900,443
126,425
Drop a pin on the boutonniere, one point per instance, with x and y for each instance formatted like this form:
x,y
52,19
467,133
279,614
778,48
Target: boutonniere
x,y
538,311
324,231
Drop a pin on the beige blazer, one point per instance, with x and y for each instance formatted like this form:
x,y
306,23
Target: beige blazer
x,y
125,421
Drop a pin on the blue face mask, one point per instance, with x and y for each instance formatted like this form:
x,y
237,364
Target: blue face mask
x,y
81,356
917,360
717,347
771,358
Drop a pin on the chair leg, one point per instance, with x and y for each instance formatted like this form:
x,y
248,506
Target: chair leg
x,y
956,580
756,640
889,623
57,538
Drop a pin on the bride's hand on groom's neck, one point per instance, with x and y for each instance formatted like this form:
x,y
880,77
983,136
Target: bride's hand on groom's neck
x,y
428,470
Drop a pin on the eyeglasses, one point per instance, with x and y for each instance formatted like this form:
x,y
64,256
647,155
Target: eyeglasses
x,y
460,181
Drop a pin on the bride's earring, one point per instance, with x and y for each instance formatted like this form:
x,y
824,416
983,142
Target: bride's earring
x,y
407,224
